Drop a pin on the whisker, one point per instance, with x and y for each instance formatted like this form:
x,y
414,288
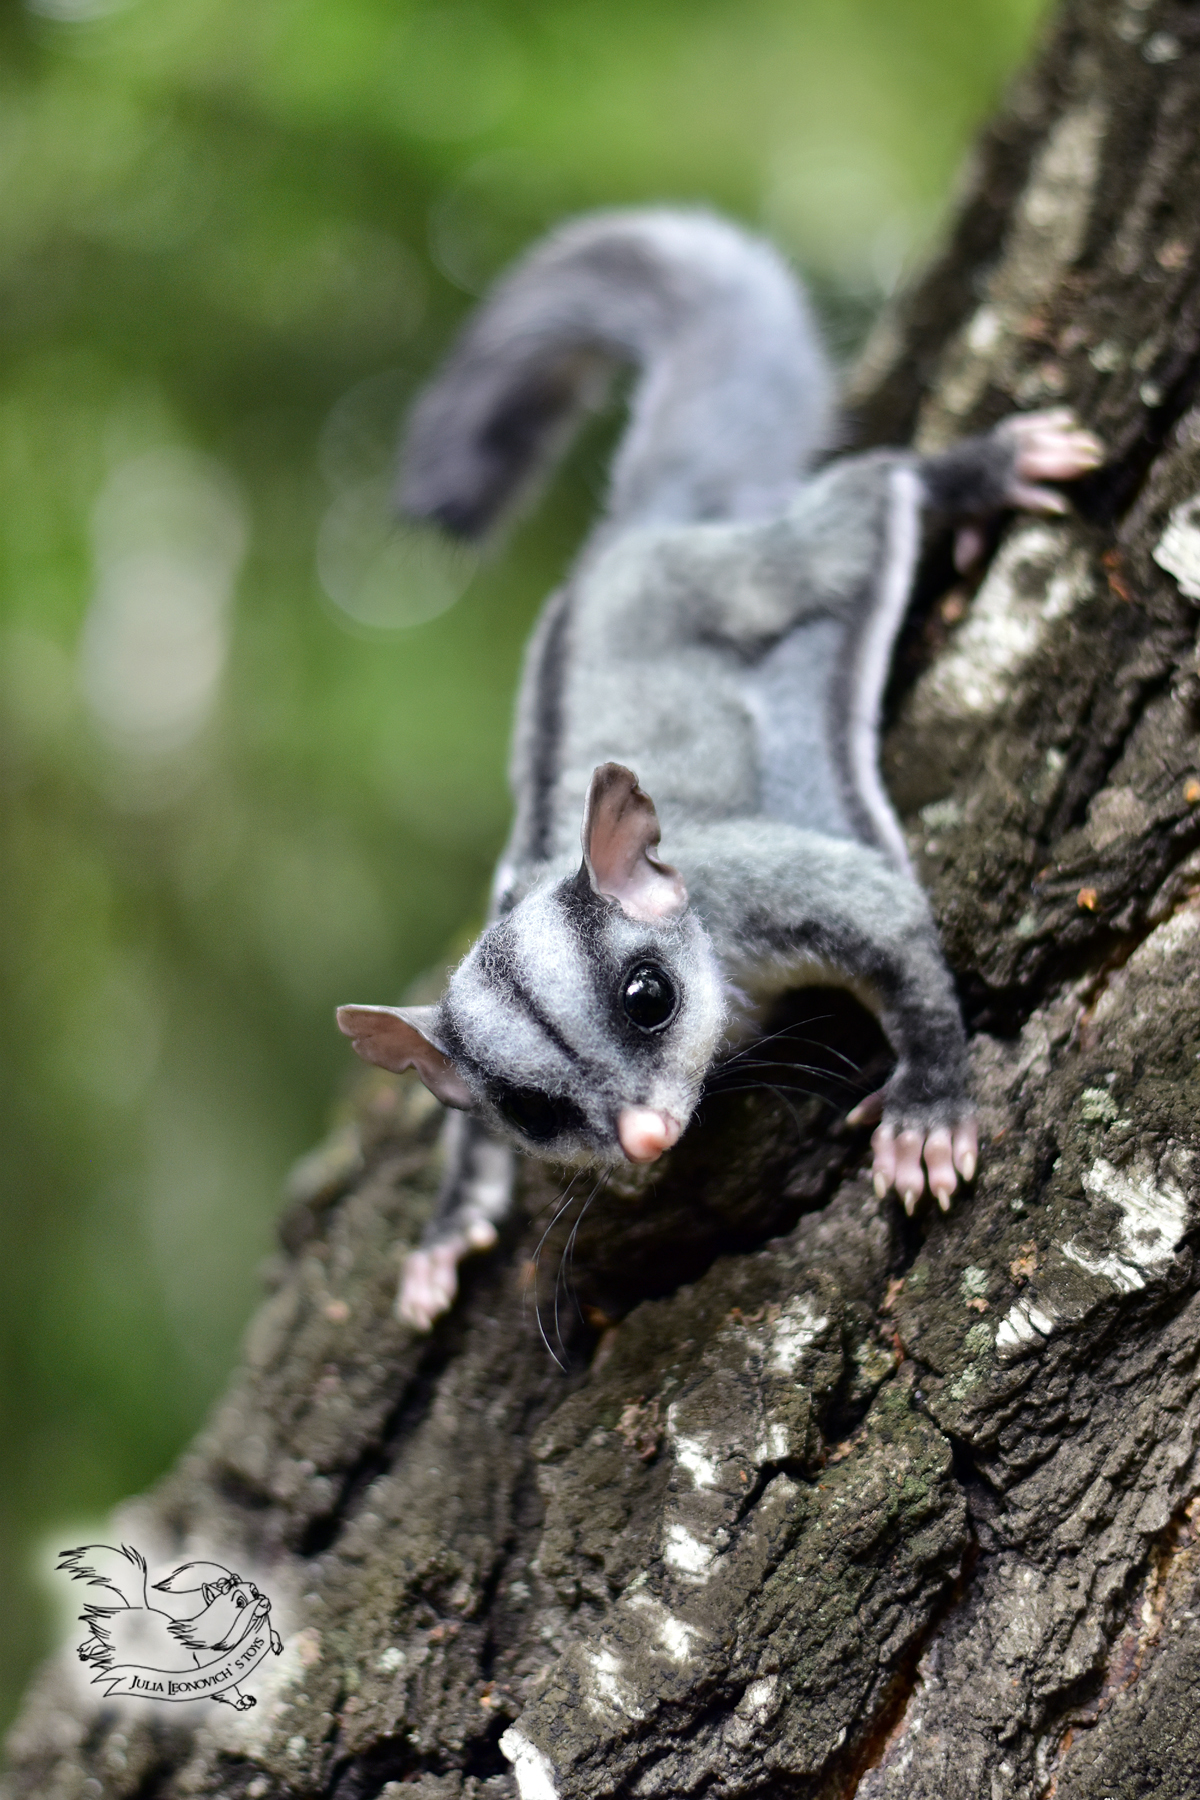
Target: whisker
x,y
569,1252
832,1051
771,1062
791,1031
753,1087
564,1203
729,1084
781,1096
718,1082
562,1261
558,1198
774,1062
785,1031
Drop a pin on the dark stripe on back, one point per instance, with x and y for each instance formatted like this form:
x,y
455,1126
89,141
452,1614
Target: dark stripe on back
x,y
547,726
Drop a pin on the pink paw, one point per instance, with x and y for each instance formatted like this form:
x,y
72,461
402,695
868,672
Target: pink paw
x,y
429,1280
898,1161
1050,446
903,1160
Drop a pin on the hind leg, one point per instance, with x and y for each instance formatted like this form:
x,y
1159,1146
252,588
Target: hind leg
x,y
475,1196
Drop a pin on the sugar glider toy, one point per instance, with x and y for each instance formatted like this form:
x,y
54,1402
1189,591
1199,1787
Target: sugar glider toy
x,y
722,645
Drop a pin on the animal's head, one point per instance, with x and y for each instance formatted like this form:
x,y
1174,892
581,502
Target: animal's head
x,y
228,1606
582,1023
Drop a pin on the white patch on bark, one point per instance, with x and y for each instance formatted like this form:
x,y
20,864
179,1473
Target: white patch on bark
x,y
687,1554
974,1284
1153,1219
611,1691
797,1327
1037,577
1178,549
759,1697
693,1455
778,1443
1023,1325
759,1701
674,1635
532,1767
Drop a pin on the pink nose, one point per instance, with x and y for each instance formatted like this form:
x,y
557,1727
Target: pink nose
x,y
645,1134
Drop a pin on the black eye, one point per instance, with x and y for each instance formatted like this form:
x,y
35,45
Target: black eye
x,y
535,1115
648,996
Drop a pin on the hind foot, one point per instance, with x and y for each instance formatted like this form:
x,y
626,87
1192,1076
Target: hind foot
x,y
429,1280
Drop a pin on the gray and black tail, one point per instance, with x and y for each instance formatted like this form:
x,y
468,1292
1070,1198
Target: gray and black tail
x,y
733,397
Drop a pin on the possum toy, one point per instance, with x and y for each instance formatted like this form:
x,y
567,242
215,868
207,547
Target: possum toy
x,y
713,668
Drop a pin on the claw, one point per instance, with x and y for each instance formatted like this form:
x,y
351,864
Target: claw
x,y
939,1161
1060,457
883,1143
966,1149
910,1176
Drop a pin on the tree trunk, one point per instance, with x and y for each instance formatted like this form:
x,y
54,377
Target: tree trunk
x,y
872,1507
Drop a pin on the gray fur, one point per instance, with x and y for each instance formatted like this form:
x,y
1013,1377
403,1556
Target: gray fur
x,y
727,635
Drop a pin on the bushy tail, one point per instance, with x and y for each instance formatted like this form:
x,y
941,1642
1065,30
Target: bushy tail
x,y
732,402
122,1571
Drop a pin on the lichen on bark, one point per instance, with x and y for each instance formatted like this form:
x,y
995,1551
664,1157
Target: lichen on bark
x,y
823,1502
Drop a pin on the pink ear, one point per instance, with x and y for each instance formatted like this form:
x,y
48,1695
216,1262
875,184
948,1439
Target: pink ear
x,y
399,1038
620,830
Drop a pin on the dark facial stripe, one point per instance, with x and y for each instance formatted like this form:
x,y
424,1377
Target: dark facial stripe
x,y
455,1049
585,910
499,967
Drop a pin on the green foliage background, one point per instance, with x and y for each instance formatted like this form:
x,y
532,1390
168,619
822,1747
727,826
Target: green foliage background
x,y
232,239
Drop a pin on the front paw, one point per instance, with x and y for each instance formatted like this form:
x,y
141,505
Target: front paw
x,y
1047,446
904,1156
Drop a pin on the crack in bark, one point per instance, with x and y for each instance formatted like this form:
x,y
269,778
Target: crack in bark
x,y
1171,1562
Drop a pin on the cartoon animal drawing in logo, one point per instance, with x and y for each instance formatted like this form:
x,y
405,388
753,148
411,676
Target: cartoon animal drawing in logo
x,y
198,1643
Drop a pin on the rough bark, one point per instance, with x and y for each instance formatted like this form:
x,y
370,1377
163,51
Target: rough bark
x,y
824,1503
